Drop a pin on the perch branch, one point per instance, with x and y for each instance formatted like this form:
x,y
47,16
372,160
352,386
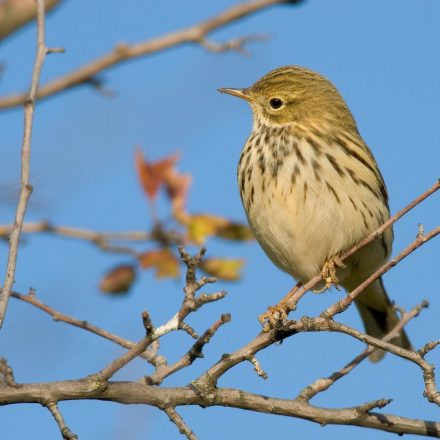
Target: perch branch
x,y
264,339
342,305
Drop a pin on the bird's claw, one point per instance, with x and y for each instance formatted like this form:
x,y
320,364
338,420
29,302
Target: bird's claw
x,y
328,273
274,316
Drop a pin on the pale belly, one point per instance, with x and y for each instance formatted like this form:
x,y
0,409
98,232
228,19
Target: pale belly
x,y
307,202
299,233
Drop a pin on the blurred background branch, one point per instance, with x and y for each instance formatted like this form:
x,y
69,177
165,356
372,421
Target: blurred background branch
x,y
123,52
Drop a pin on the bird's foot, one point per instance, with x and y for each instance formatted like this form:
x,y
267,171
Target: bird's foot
x,y
328,273
276,315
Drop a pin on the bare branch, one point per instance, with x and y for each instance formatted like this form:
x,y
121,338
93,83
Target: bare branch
x,y
180,423
306,324
65,431
190,304
342,305
85,325
122,52
237,44
103,240
26,188
428,347
367,407
195,352
139,393
257,367
148,325
323,384
77,233
210,377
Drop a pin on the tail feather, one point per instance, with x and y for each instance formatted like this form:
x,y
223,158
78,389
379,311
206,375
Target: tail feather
x,y
379,317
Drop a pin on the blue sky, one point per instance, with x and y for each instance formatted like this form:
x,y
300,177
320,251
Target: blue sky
x,y
383,57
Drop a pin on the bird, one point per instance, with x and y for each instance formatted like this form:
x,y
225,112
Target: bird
x,y
312,189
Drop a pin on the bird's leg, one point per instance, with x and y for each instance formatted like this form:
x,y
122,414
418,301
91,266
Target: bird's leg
x,y
279,312
328,273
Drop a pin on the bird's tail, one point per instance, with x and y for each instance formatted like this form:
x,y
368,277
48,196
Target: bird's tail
x,y
379,317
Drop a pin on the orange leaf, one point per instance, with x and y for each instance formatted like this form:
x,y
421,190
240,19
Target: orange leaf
x,y
163,260
226,269
119,279
152,174
201,226
177,186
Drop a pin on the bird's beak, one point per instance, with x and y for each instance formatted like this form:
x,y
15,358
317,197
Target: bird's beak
x,y
240,93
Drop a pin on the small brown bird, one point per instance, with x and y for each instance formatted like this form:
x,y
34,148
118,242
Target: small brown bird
x,y
312,189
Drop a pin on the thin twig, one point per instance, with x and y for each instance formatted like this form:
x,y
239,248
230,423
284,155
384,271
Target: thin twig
x,y
195,352
342,305
190,304
26,188
257,367
123,52
56,413
85,325
369,406
177,419
237,44
102,240
323,384
78,233
431,391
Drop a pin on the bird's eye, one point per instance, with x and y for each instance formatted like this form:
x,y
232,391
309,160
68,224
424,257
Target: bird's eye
x,y
276,103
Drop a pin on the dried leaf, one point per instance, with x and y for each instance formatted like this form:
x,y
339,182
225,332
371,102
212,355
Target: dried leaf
x,y
152,174
163,260
201,226
223,268
177,186
235,231
119,279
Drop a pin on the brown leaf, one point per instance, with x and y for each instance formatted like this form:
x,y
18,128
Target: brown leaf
x,y
235,231
223,268
201,226
118,279
163,260
177,186
152,174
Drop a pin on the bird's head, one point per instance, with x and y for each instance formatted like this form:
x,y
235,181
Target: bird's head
x,y
295,94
